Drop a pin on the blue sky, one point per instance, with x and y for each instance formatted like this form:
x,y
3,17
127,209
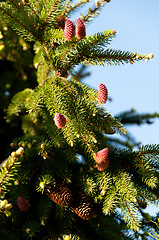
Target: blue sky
x,y
131,86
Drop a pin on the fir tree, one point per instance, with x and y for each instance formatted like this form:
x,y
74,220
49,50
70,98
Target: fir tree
x,y
65,178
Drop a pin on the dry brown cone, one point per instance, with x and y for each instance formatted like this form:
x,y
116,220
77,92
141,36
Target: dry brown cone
x,y
142,204
83,205
60,194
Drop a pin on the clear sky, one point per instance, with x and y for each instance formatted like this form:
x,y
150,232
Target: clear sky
x,y
131,86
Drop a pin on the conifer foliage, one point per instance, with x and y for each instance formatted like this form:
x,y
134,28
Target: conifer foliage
x,y
64,179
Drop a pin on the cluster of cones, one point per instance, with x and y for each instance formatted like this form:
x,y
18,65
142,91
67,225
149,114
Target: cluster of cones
x,y
77,199
70,28
63,196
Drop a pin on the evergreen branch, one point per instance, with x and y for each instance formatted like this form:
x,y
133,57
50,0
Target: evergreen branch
x,y
149,149
47,56
84,92
70,132
147,195
87,143
153,182
94,11
130,214
65,9
110,57
87,133
18,102
90,186
76,5
51,129
104,181
66,51
154,234
50,13
19,22
113,122
118,142
98,40
67,86
35,101
35,104
77,50
9,169
110,201
29,5
123,181
131,117
22,11
59,168
54,36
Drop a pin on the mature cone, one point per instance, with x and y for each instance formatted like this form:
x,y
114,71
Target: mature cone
x,y
102,94
60,194
83,205
103,165
23,204
60,120
142,204
80,29
69,30
101,155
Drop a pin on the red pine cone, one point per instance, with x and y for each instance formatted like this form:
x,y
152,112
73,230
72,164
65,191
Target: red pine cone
x,y
60,120
102,94
80,29
69,30
101,155
23,204
103,165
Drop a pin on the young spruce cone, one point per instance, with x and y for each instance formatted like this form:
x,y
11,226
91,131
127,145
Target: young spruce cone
x,y
23,204
101,155
102,94
60,194
69,30
83,205
60,120
80,29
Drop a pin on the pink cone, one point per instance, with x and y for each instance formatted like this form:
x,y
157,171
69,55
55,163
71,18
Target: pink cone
x,y
101,156
60,120
69,30
102,93
103,165
80,29
23,204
